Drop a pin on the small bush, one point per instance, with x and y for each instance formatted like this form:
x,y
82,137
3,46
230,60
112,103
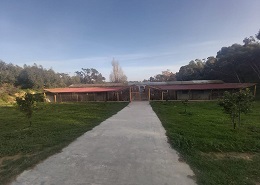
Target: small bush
x,y
26,104
236,103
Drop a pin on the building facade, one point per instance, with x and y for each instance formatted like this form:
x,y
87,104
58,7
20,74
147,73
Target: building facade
x,y
146,91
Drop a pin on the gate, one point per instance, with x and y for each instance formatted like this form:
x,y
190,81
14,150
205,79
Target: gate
x,y
139,93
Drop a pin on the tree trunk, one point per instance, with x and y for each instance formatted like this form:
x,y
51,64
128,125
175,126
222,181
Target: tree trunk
x,y
255,69
233,121
239,118
237,76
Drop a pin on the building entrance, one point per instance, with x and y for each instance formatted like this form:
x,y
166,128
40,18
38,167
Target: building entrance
x,y
139,93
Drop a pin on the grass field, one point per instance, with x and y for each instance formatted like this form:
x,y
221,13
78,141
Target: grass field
x,y
54,126
206,140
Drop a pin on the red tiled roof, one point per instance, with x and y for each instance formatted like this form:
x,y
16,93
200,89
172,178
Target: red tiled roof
x,y
84,90
204,86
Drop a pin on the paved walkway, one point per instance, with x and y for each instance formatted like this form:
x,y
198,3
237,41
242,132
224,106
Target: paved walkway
x,y
130,148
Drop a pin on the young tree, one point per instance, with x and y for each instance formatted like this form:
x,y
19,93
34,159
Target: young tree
x,y
117,75
26,105
185,104
236,103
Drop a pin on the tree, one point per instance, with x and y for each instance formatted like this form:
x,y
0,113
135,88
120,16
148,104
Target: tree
x,y
185,104
117,75
163,77
236,103
26,105
240,63
8,73
258,35
37,77
67,80
90,76
209,71
192,71
236,63
249,40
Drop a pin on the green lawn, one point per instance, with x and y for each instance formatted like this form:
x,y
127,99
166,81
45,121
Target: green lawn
x,y
54,126
205,138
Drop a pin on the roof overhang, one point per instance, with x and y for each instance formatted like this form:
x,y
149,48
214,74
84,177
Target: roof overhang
x,y
203,86
85,90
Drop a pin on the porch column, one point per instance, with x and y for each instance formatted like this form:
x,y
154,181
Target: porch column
x,y
149,94
162,95
117,96
130,94
55,98
255,91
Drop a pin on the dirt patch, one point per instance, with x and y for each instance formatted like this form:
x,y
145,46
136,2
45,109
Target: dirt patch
x,y
228,155
193,177
14,157
180,159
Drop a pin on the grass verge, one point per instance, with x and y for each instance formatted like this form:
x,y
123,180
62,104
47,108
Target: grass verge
x,y
218,154
54,126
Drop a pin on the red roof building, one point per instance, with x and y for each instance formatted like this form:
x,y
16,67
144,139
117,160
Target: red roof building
x,y
194,90
204,91
87,94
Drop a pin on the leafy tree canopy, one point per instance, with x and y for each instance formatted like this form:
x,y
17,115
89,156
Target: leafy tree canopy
x,y
90,76
163,77
234,104
236,63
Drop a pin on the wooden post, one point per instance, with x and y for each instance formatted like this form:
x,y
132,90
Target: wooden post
x,y
44,96
130,94
77,97
162,95
149,94
55,98
117,96
255,91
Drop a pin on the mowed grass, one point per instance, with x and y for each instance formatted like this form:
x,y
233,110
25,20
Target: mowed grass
x,y
205,138
54,126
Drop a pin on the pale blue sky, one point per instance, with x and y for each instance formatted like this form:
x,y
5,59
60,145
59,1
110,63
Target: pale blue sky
x,y
145,36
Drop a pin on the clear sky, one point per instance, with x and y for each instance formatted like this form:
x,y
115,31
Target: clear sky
x,y
145,36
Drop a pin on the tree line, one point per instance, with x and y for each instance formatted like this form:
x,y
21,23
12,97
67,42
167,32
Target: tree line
x,y
37,77
33,77
236,63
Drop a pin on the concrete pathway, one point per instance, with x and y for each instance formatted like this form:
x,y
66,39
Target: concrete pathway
x,y
130,148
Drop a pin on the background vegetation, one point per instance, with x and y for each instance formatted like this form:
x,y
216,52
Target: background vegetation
x,y
205,138
236,63
54,127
